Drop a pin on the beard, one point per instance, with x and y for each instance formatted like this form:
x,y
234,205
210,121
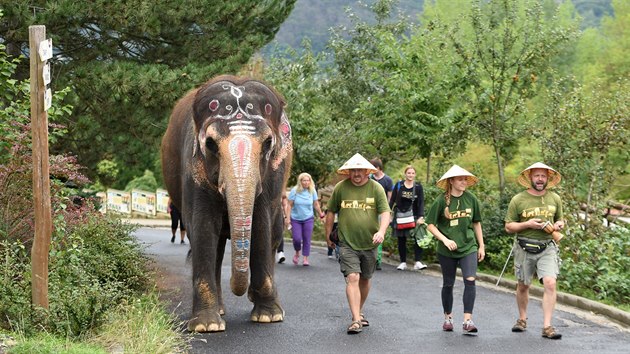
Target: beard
x,y
539,186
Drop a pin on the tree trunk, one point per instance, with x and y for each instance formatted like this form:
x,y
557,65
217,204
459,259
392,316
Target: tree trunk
x,y
497,155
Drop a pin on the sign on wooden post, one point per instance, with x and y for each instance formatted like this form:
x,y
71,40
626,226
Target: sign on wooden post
x,y
41,179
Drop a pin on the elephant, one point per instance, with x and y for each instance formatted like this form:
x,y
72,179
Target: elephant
x,y
226,157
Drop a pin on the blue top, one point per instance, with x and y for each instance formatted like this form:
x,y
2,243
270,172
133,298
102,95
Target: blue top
x,y
302,204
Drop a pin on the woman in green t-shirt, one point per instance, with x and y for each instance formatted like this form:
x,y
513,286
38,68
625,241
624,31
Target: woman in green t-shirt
x,y
455,220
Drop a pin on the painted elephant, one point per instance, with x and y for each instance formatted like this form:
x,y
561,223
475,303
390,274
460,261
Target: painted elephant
x,y
226,156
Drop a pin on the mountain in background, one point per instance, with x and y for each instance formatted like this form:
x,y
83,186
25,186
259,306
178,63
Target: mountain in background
x,y
313,19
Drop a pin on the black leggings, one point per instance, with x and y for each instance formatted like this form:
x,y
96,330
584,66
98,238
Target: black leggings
x,y
176,218
402,246
468,266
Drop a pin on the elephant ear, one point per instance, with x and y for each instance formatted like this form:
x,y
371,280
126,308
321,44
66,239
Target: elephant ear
x,y
286,142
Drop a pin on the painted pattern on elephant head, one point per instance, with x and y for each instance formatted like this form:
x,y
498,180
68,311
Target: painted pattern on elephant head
x,y
244,129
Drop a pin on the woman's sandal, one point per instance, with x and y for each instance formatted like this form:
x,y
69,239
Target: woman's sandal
x,y
364,321
355,327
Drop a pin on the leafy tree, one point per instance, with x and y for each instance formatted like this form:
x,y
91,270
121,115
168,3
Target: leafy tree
x,y
128,62
300,78
587,140
505,47
418,112
146,182
601,53
324,91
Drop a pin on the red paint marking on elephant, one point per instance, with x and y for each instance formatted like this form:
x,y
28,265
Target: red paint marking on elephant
x,y
241,156
239,115
214,104
243,223
240,148
268,109
285,129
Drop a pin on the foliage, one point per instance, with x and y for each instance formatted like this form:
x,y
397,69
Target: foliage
x,y
94,263
591,127
16,201
416,111
146,182
604,277
300,80
129,61
504,47
48,343
601,52
312,19
142,326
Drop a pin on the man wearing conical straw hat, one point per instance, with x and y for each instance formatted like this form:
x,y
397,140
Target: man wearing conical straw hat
x,y
535,216
455,220
363,218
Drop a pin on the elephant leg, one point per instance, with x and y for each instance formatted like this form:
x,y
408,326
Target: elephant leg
x,y
218,264
206,316
262,290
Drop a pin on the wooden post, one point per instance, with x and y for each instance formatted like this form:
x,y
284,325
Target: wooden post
x,y
41,179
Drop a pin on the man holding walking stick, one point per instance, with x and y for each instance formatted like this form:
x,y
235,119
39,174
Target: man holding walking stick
x,y
535,216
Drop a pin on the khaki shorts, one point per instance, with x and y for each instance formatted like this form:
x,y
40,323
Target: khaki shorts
x,y
362,262
544,264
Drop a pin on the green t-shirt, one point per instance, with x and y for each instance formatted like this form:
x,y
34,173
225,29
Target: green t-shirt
x,y
464,211
525,206
358,209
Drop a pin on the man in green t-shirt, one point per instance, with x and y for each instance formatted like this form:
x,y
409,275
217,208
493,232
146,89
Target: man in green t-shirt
x,y
535,216
358,201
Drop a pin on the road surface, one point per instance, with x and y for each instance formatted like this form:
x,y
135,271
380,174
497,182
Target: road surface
x,y
404,310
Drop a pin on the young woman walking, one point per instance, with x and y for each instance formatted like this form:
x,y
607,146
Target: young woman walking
x,y
455,220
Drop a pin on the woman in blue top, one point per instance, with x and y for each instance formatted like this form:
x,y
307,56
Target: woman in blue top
x,y
302,200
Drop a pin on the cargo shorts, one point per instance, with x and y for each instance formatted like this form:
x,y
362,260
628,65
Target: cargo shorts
x,y
544,264
353,261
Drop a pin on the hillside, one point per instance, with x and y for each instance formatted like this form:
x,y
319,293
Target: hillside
x,y
313,19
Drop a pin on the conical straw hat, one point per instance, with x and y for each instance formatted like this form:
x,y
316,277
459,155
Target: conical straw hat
x,y
356,162
456,171
554,176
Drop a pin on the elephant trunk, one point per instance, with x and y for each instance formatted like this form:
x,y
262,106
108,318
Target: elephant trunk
x,y
240,183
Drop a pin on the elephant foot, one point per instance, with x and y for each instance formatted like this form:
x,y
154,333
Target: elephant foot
x,y
267,313
206,322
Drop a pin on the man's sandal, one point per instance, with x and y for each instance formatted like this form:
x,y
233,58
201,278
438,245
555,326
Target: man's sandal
x,y
550,332
355,327
364,321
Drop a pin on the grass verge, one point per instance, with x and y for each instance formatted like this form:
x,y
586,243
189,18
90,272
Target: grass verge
x,y
141,326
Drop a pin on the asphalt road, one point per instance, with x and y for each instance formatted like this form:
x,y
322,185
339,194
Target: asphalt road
x,y
404,310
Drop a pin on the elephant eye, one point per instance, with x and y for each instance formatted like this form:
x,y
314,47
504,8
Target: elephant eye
x,y
212,146
267,147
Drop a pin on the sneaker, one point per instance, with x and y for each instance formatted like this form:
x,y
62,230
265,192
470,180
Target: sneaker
x,y
550,332
448,325
419,265
173,239
469,327
378,266
330,256
305,263
296,259
519,326
280,257
402,266
183,242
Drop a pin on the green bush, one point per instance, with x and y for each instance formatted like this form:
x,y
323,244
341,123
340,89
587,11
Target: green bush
x,y
595,265
93,266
